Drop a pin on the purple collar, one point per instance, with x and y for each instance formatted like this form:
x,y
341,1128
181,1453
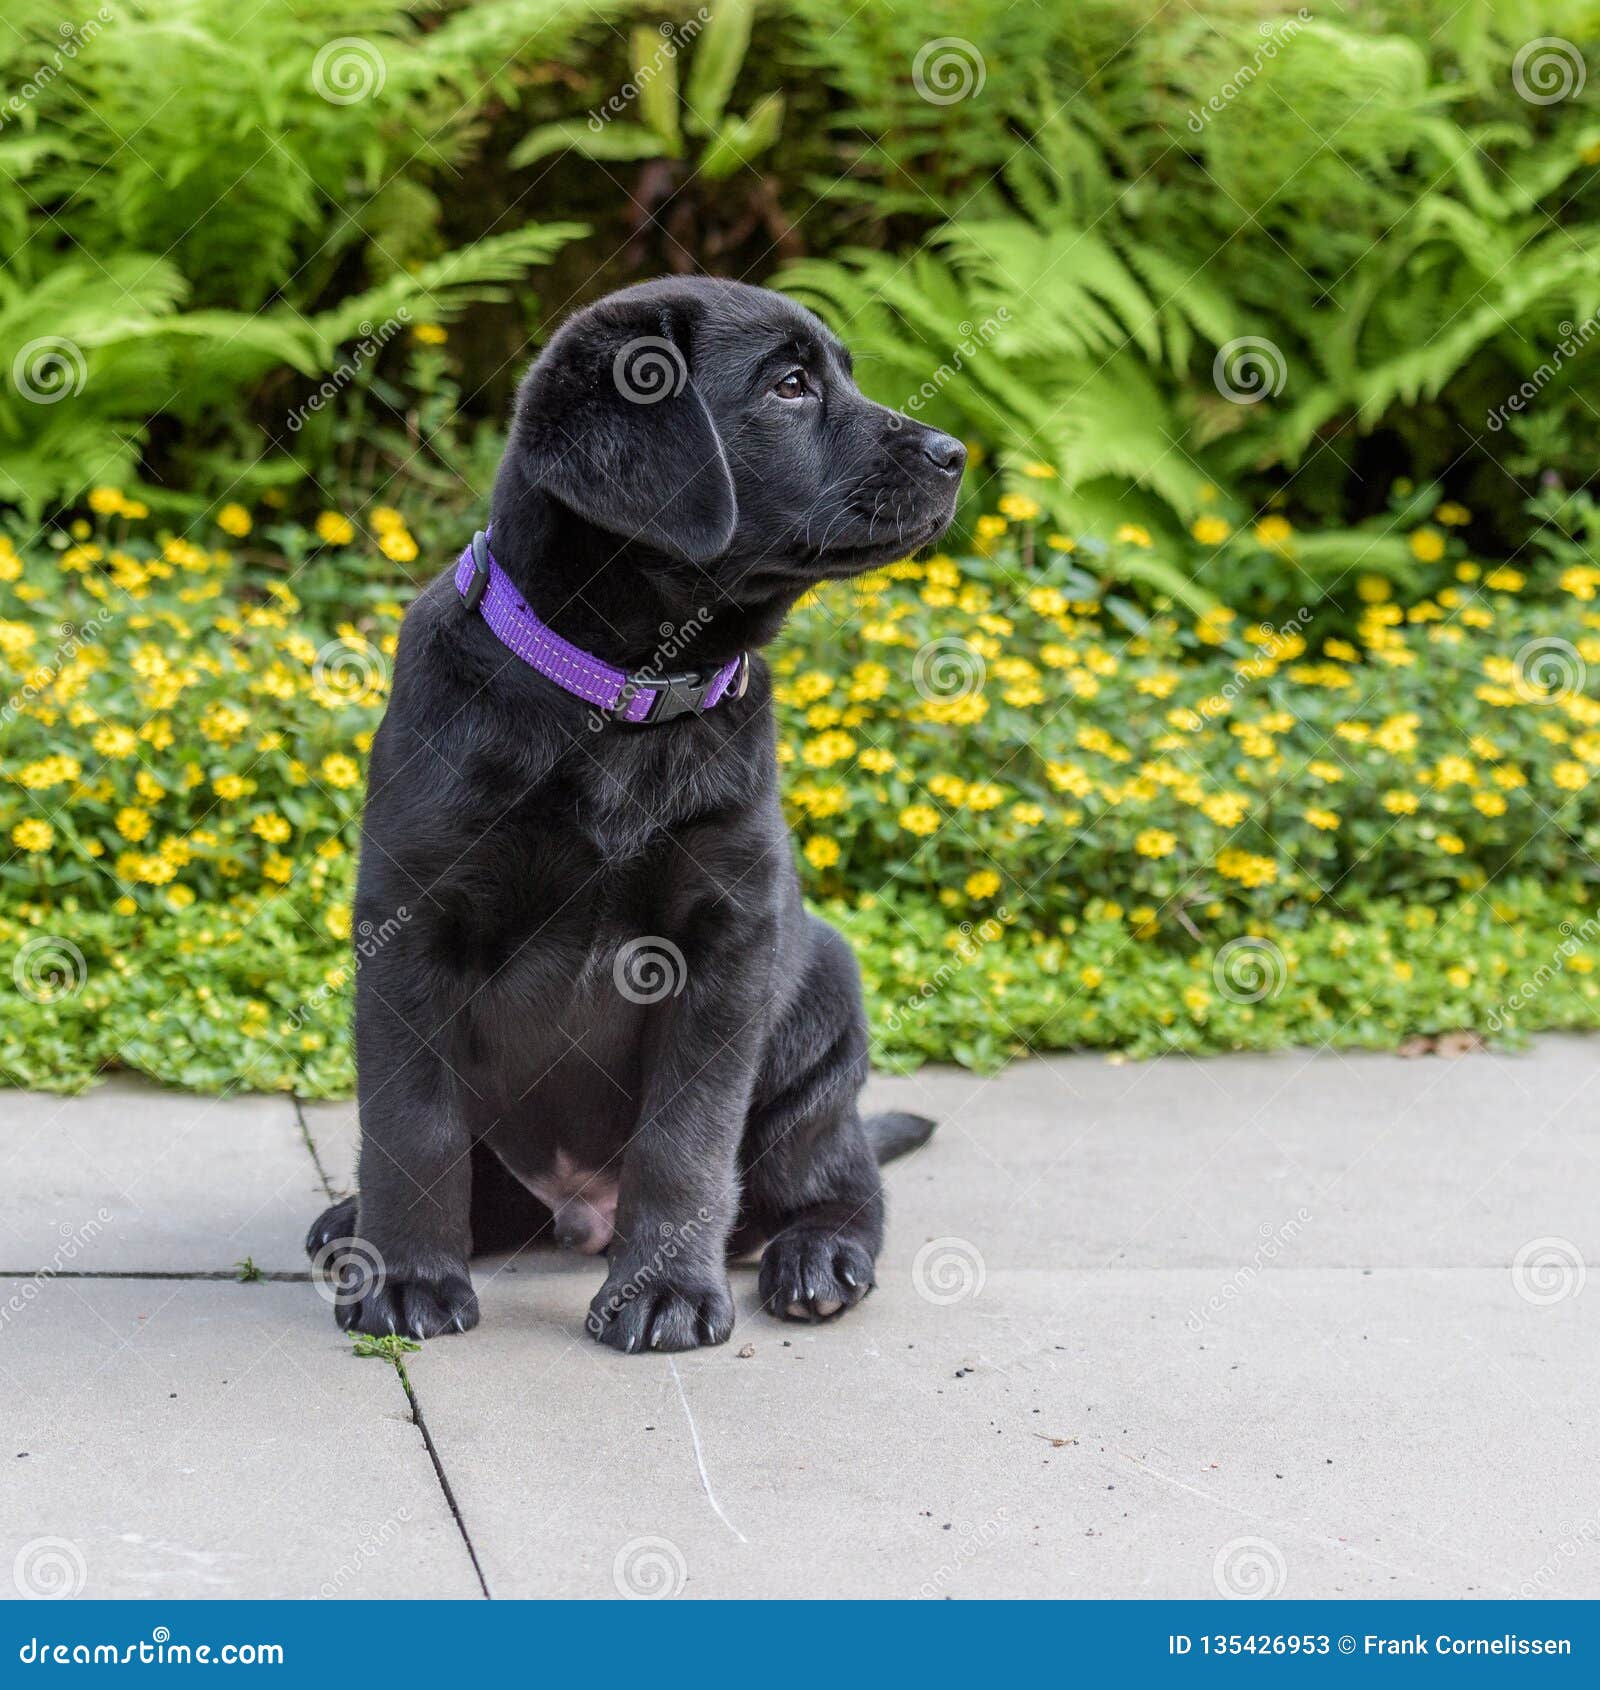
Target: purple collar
x,y
641,697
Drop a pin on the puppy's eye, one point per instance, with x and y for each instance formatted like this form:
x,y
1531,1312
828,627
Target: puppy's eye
x,y
791,386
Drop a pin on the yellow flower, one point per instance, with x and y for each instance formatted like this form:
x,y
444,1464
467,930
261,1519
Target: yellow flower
x,y
1570,777
1210,530
1018,506
1326,820
1451,843
340,770
1504,580
1061,543
334,529
1274,531
1399,803
112,741
1132,534
876,760
1489,803
230,786
1458,977
234,520
1427,545
429,334
133,823
33,834
1246,867
821,852
337,920
984,884
1039,472
919,819
1373,589
1091,976
180,897
1155,842
983,795
397,545
1452,515
1027,815
270,827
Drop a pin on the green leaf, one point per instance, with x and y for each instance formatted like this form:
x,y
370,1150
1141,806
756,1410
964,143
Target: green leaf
x,y
719,55
655,76
608,141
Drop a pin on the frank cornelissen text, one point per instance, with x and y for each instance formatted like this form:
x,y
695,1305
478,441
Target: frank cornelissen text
x,y
1320,1643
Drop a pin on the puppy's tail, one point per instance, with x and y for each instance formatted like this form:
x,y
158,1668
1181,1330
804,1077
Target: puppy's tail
x,y
895,1133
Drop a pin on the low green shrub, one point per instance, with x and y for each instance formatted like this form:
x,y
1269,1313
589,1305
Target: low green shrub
x,y
1042,826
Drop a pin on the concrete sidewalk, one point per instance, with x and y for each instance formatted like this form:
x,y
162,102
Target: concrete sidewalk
x,y
1299,1325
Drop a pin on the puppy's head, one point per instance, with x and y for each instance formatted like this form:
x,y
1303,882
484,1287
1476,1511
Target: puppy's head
x,y
718,424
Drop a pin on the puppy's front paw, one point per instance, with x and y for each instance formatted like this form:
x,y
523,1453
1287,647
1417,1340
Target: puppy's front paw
x,y
368,1297
635,1311
808,1273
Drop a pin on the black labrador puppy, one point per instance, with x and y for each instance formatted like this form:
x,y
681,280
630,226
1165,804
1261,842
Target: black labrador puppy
x,y
590,1001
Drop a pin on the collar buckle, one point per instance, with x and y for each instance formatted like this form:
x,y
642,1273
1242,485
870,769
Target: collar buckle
x,y
671,696
473,592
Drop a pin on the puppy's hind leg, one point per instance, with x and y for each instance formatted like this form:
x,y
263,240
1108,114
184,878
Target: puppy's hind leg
x,y
810,1172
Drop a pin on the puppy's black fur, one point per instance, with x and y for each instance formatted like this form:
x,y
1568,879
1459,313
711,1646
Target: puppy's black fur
x,y
517,850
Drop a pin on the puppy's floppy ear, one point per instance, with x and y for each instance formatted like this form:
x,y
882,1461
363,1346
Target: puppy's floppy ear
x,y
610,422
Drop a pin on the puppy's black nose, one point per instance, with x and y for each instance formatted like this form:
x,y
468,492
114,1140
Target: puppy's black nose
x,y
945,453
